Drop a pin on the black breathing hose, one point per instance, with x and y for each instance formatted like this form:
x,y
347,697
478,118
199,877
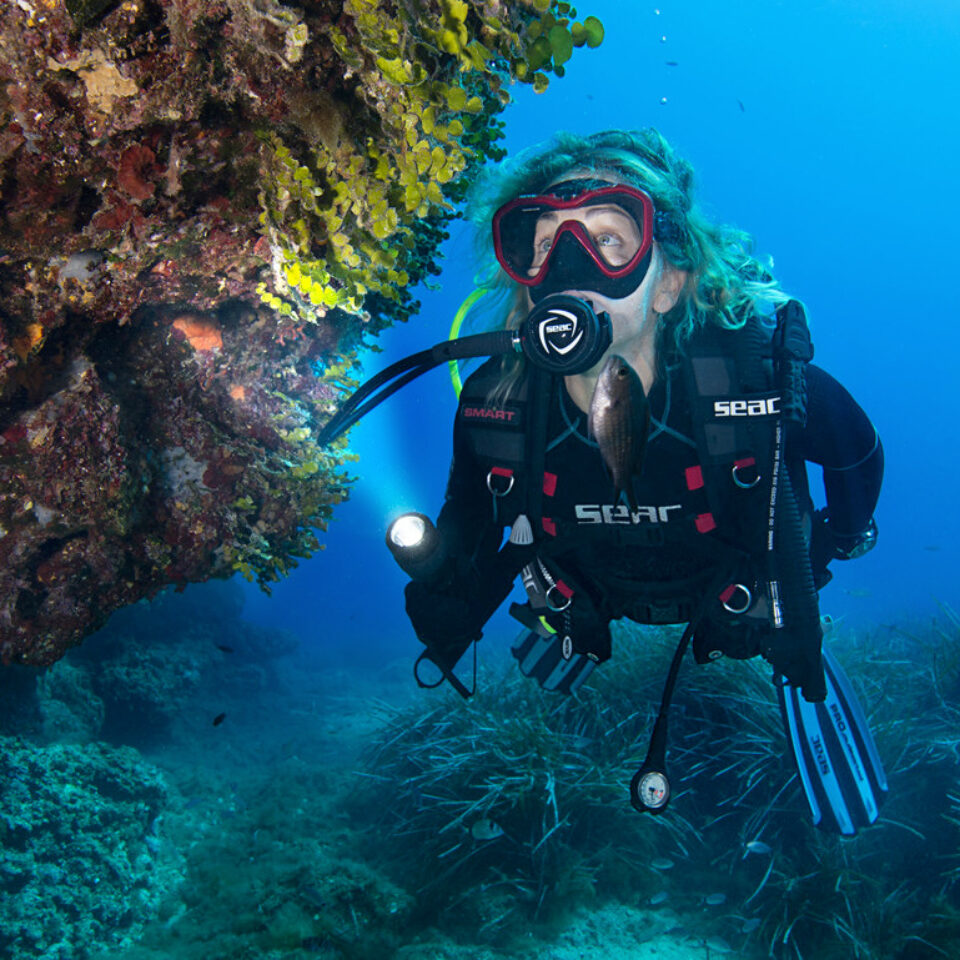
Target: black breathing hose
x,y
366,397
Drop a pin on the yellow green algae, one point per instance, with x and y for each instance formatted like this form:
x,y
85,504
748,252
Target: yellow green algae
x,y
207,210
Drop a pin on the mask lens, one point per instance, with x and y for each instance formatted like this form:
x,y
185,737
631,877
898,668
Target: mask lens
x,y
612,231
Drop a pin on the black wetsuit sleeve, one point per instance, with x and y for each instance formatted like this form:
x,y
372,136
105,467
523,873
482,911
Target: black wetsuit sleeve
x,y
840,437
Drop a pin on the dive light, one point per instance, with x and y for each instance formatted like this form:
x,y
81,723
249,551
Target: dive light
x,y
415,544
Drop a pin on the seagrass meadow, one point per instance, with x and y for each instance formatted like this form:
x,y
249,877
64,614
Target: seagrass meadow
x,y
324,816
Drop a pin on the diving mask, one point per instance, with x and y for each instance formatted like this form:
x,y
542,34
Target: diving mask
x,y
588,235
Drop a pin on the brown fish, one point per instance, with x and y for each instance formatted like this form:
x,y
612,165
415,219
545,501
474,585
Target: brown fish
x,y
619,420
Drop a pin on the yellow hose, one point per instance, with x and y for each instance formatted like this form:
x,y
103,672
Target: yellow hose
x,y
455,332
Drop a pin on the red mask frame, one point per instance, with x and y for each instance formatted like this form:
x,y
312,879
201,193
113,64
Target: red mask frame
x,y
519,217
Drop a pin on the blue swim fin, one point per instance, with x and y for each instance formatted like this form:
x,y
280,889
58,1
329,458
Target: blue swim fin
x,y
836,757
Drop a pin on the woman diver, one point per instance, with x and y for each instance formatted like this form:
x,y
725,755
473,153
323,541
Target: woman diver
x,y
662,477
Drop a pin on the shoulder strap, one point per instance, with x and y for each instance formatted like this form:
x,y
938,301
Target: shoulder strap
x,y
496,432
734,408
539,390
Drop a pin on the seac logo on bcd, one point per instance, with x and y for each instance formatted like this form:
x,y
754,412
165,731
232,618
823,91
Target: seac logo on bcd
x,y
746,408
560,332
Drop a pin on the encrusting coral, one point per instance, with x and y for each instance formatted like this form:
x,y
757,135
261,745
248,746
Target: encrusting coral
x,y
204,209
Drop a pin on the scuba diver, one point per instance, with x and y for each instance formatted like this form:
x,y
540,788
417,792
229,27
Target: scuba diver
x,y
642,429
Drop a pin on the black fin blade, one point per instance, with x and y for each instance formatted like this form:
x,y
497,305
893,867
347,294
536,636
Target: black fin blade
x,y
835,754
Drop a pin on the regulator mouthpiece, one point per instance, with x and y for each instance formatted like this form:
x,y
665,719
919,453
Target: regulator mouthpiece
x,y
564,335
415,544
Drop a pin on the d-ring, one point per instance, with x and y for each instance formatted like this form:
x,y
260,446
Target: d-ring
x,y
743,465
552,606
733,606
499,493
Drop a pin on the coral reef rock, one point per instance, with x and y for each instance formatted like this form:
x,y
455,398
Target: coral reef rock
x,y
204,210
84,864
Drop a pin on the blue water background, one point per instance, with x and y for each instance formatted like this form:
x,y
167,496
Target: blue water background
x,y
829,131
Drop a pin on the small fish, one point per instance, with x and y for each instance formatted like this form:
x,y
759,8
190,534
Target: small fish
x,y
218,719
715,899
224,648
750,925
858,593
661,863
486,829
932,547
743,109
658,898
671,63
758,847
619,420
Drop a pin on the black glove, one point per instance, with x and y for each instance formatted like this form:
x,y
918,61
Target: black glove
x,y
797,658
799,661
445,622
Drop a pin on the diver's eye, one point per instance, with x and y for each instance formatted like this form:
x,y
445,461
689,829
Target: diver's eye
x,y
613,248
541,247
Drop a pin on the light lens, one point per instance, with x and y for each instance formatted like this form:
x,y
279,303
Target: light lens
x,y
408,531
